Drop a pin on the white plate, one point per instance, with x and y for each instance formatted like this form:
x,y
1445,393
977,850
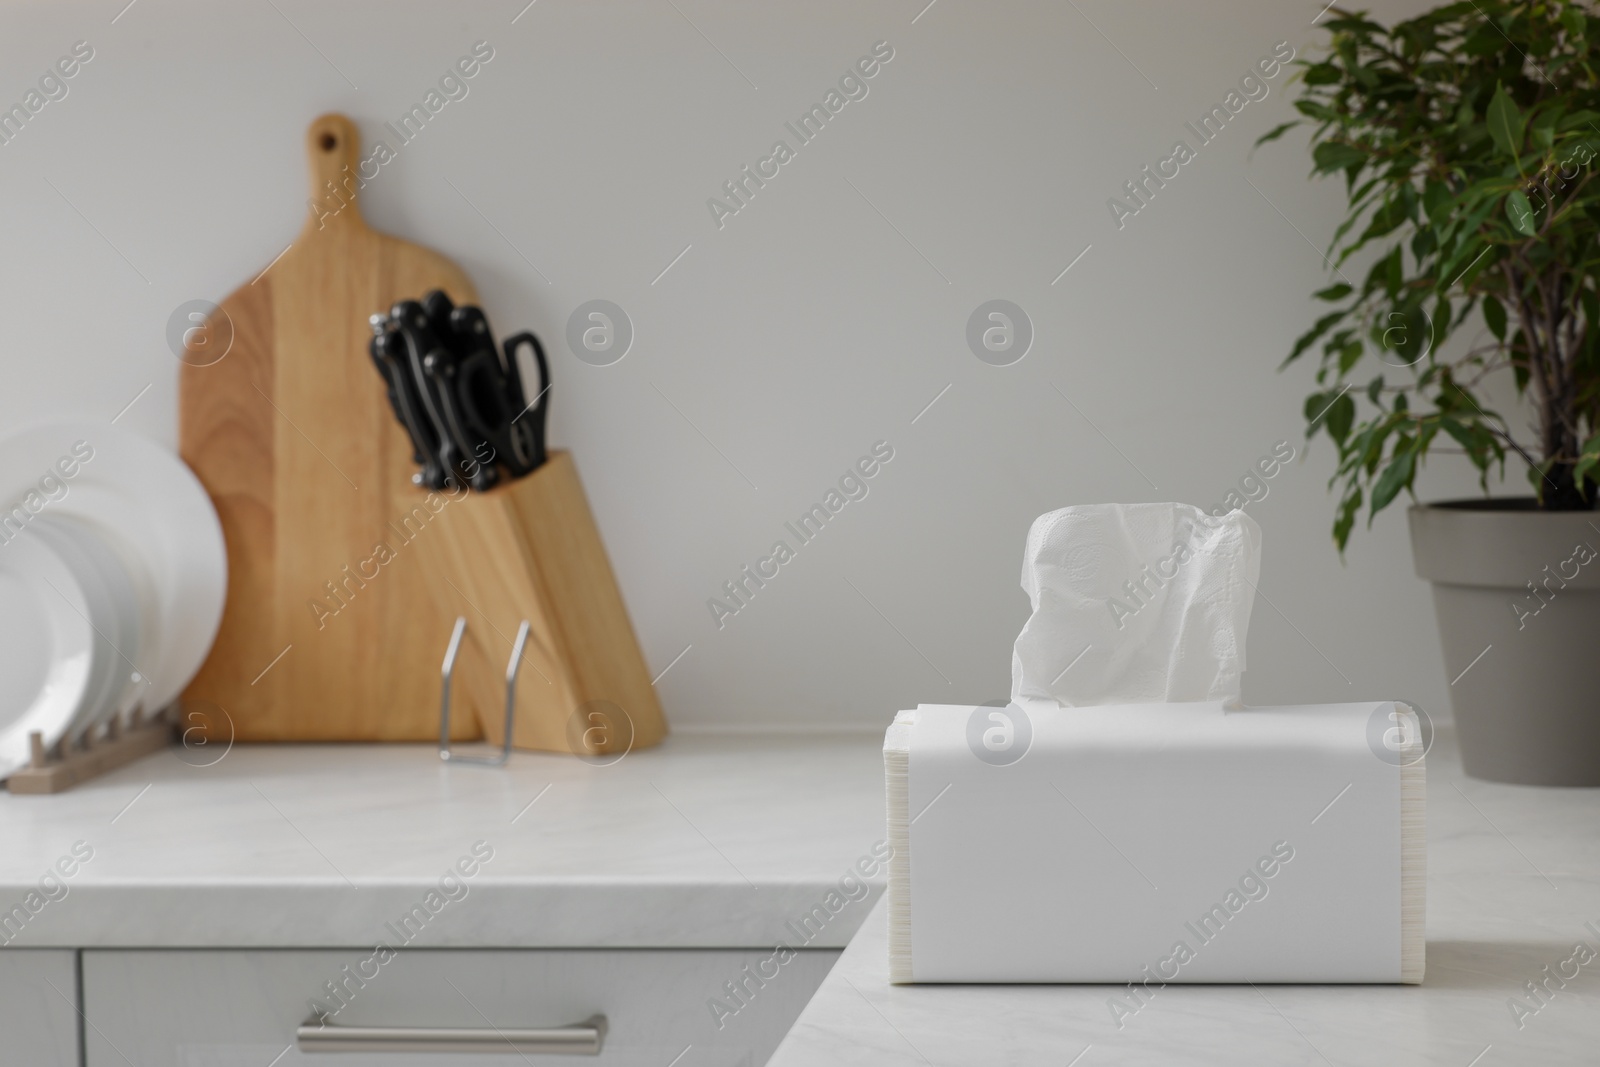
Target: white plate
x,y
69,548
159,516
46,647
118,567
114,613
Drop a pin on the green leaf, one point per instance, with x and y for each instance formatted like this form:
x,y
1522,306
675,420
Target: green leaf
x,y
1321,74
1480,264
1309,338
1573,120
1346,519
1437,201
1405,336
1463,436
1542,128
1341,415
1349,356
1423,242
1333,411
1356,26
1494,313
1359,202
1468,245
1384,220
1520,212
1505,125
1335,155
1274,133
1486,41
1539,477
1315,407
1313,110
1588,460
1396,476
1333,292
1375,389
1367,449
1376,277
1476,258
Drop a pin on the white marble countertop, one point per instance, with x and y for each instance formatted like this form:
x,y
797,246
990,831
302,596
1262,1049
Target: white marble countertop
x,y
716,841
705,842
1513,877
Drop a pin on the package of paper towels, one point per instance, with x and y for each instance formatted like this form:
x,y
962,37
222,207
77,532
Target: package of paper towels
x,y
1135,824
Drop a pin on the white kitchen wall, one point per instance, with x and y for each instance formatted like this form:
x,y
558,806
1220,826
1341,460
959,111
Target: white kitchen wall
x,y
774,351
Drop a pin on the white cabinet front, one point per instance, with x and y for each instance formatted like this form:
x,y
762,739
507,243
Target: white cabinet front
x,y
39,1007
443,1008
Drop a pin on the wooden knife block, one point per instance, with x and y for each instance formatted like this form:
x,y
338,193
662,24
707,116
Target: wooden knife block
x,y
531,550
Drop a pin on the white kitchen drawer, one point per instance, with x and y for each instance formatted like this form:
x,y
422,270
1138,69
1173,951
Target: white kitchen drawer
x,y
38,1007
225,1008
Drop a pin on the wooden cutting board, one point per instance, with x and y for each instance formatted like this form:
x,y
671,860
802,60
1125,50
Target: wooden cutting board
x,y
345,579
329,631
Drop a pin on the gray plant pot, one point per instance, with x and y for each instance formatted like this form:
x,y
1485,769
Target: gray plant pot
x,y
1517,594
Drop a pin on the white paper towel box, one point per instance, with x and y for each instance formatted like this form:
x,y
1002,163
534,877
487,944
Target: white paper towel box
x,y
1155,843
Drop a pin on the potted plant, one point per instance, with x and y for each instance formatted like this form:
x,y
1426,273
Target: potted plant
x,y
1466,138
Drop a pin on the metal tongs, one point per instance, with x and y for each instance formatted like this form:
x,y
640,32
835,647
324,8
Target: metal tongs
x,y
462,403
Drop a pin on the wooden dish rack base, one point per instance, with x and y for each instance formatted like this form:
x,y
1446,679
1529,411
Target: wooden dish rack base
x,y
61,766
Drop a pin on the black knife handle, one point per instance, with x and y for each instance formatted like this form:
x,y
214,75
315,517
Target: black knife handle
x,y
407,409
433,368
440,368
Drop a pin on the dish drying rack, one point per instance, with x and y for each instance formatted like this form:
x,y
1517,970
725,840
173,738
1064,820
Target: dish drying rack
x,y
58,767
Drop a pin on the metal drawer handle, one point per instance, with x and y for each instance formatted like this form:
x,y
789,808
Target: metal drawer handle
x,y
579,1039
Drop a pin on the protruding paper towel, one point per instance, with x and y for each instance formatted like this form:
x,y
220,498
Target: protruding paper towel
x,y
1135,603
